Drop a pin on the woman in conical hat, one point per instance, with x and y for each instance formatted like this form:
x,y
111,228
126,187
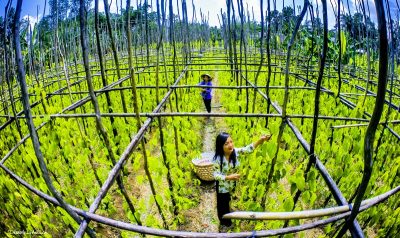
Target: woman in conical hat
x,y
206,91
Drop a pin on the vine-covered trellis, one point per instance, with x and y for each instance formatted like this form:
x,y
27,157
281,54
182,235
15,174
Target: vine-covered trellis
x,y
284,58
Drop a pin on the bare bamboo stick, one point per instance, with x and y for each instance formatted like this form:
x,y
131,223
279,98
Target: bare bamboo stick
x,y
100,128
198,114
357,125
285,101
183,86
378,109
305,214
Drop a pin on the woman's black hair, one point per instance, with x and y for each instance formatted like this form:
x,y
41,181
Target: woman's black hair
x,y
219,149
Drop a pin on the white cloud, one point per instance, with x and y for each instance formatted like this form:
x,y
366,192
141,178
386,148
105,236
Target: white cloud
x,y
32,20
113,6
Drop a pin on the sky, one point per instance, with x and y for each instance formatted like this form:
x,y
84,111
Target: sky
x,y
210,7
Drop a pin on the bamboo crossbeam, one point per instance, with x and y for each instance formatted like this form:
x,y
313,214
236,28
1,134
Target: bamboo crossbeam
x,y
92,69
197,114
66,87
306,214
357,125
49,83
123,88
184,86
83,78
11,118
357,87
369,92
87,98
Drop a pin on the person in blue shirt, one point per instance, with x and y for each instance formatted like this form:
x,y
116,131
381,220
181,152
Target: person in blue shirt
x,y
206,91
225,164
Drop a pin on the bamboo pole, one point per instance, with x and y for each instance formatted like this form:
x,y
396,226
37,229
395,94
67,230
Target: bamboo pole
x,y
114,50
370,133
268,182
368,56
99,124
195,114
318,88
261,54
135,102
8,77
305,214
160,125
312,157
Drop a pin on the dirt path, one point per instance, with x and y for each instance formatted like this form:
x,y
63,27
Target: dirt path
x,y
203,218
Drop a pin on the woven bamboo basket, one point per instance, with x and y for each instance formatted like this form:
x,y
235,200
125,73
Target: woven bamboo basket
x,y
204,166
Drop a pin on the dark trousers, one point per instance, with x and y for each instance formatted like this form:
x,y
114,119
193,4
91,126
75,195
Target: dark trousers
x,y
207,103
223,200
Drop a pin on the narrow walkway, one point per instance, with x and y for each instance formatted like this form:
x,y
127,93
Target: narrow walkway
x,y
203,218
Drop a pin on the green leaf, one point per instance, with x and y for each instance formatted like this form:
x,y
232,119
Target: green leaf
x,y
159,200
312,180
278,40
288,205
293,188
306,196
343,42
300,183
313,198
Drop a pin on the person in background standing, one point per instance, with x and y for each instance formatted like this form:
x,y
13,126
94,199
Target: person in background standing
x,y
206,91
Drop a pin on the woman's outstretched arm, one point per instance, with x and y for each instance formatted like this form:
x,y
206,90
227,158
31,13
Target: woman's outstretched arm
x,y
262,139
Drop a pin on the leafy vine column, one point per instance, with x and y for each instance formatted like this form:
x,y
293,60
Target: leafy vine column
x,y
114,50
99,124
160,126
268,59
7,70
285,100
29,119
376,116
136,108
261,55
